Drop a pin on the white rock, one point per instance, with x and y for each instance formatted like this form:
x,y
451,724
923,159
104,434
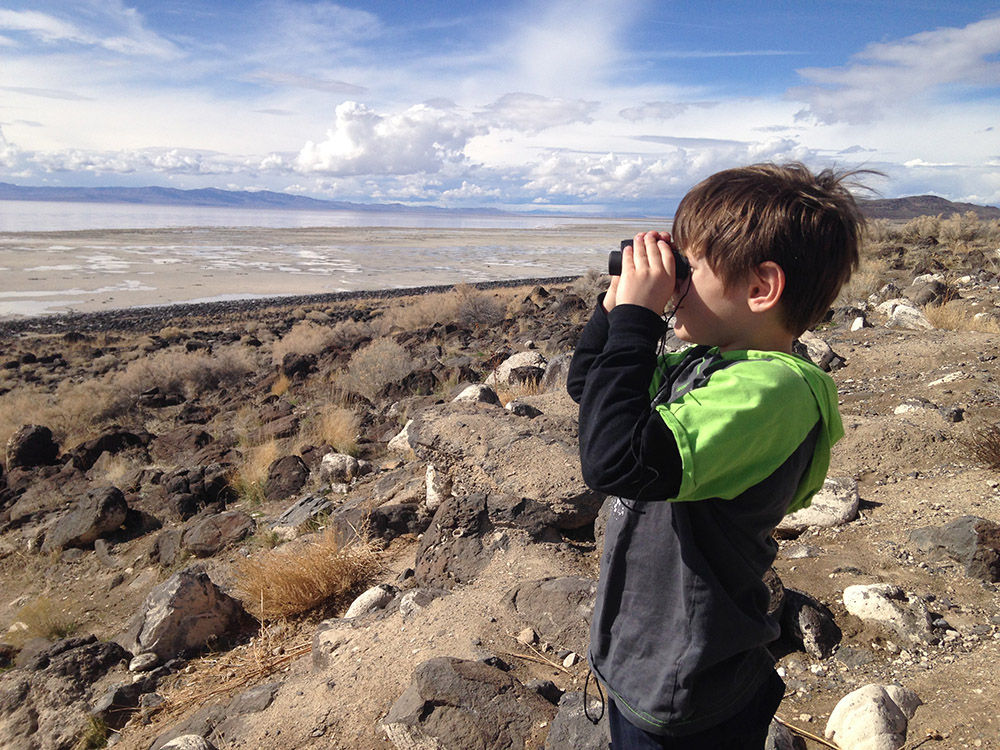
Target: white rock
x,y
909,318
867,719
834,505
521,359
888,605
926,278
438,488
188,742
338,467
400,444
858,324
478,394
818,350
374,598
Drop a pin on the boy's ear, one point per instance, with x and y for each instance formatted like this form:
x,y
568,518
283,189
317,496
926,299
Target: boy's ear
x,y
767,284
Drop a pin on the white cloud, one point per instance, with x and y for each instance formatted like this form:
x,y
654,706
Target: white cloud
x,y
886,75
533,113
361,141
661,110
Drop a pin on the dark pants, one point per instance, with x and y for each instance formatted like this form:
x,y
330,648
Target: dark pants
x,y
747,730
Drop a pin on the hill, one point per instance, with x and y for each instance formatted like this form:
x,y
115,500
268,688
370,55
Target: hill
x,y
902,209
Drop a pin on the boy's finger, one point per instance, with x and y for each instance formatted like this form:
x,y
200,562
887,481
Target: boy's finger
x,y
639,251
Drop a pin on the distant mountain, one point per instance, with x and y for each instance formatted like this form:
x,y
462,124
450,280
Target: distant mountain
x,y
922,205
209,197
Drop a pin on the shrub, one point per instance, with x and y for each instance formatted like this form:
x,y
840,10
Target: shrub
x,y
475,308
957,316
922,229
335,426
305,337
374,366
43,618
320,575
249,478
984,446
866,281
961,229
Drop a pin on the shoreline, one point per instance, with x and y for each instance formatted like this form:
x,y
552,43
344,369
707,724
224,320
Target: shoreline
x,y
148,318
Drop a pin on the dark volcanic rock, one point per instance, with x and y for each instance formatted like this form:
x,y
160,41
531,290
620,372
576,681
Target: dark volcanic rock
x,y
285,477
972,541
466,704
558,609
206,536
113,440
31,445
100,513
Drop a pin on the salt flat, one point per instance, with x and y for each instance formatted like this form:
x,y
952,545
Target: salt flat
x,y
93,270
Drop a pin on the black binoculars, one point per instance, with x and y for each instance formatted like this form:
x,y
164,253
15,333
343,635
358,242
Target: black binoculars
x,y
615,262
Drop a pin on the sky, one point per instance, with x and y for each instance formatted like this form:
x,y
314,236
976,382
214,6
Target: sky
x,y
582,106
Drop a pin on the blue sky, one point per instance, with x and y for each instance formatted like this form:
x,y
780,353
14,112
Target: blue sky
x,y
586,106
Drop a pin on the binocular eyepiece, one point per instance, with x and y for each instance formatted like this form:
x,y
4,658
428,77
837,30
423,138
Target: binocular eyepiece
x,y
681,265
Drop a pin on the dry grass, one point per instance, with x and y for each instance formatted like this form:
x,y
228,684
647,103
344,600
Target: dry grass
x,y
465,304
866,281
42,618
249,478
956,316
921,229
281,385
333,425
318,576
374,366
508,392
984,446
305,337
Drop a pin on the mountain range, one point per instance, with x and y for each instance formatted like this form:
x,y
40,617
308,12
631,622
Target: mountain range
x,y
882,208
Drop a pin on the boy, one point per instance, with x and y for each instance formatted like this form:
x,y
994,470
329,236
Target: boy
x,y
708,448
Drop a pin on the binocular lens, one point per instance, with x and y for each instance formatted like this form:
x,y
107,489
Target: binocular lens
x,y
615,262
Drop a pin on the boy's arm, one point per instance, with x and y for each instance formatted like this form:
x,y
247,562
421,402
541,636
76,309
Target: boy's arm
x,y
588,347
625,447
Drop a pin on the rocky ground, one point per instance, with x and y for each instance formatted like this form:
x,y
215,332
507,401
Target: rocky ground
x,y
488,538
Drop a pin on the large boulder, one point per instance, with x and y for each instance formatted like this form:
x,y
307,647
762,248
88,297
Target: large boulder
x,y
488,450
184,613
559,610
101,512
31,445
206,536
285,477
872,718
467,704
970,540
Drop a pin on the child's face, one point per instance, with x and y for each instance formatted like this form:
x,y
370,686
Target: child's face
x,y
706,312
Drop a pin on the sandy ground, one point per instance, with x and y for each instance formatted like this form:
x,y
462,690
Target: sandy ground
x,y
87,271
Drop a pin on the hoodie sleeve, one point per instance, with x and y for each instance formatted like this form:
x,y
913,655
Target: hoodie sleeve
x,y
625,449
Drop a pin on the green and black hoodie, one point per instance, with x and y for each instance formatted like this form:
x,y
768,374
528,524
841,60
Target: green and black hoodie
x,y
706,451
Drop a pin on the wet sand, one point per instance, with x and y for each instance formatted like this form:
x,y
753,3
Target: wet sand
x,y
88,271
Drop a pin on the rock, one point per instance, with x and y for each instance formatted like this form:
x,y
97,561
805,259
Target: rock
x,y
113,441
815,349
928,289
184,613
558,609
31,445
437,489
188,742
285,477
418,600
901,314
869,719
100,513
478,394
393,520
780,738
573,730
190,490
401,443
834,505
45,703
144,662
206,536
810,623
466,704
375,598
182,443
522,367
888,605
970,540
333,638
219,721
491,451
302,512
338,467
293,364
521,409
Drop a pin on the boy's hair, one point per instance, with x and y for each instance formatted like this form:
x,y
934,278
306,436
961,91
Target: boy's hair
x,y
808,224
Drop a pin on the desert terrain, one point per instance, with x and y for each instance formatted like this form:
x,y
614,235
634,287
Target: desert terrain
x,y
220,396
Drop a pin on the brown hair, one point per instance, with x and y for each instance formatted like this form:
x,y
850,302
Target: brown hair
x,y
808,224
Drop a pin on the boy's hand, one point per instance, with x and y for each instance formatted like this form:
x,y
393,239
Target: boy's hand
x,y
648,274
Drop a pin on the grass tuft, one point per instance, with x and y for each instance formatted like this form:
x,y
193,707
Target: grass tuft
x,y
984,446
43,618
319,576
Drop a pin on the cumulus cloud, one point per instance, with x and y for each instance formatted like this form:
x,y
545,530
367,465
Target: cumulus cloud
x,y
419,140
885,74
533,113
